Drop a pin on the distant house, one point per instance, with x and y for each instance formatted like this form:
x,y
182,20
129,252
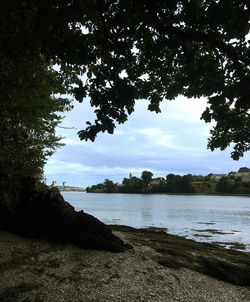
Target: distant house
x,y
217,177
244,176
156,181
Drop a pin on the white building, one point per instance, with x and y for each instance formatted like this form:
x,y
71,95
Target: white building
x,y
244,176
217,177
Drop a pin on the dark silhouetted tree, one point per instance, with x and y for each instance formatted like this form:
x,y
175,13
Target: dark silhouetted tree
x,y
146,176
116,52
109,186
225,185
244,169
129,50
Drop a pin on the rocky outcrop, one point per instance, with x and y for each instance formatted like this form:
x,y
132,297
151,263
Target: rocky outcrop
x,y
43,213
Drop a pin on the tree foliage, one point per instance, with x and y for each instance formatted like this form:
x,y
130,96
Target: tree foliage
x,y
243,170
154,50
225,185
28,85
117,52
146,176
176,184
146,184
179,184
132,185
109,186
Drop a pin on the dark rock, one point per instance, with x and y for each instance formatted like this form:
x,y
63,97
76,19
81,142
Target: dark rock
x,y
43,213
177,252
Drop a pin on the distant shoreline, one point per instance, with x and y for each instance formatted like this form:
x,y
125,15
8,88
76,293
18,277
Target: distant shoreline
x,y
70,189
202,194
195,194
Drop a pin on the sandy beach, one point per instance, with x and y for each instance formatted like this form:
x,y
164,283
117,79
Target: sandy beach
x,y
38,270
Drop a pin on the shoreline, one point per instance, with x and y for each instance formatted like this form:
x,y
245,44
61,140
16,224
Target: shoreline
x,y
230,245
159,268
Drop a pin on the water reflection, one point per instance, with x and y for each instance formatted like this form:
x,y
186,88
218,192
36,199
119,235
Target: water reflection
x,y
182,215
146,214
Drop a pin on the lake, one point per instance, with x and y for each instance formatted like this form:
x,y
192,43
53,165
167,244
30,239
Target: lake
x,y
222,219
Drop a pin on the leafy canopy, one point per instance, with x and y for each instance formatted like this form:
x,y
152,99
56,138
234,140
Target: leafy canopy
x,y
119,51
146,176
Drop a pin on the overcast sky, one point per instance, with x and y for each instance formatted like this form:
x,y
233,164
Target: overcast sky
x,y
173,141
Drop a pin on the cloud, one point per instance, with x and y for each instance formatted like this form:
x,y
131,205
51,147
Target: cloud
x,y
173,141
156,136
71,142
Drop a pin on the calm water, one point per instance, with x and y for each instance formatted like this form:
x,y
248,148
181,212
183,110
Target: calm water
x,y
203,218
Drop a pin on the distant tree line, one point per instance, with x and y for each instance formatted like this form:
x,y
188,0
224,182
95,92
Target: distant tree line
x,y
146,183
232,185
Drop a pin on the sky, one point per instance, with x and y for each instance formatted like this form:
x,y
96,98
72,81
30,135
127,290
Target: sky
x,y
173,141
